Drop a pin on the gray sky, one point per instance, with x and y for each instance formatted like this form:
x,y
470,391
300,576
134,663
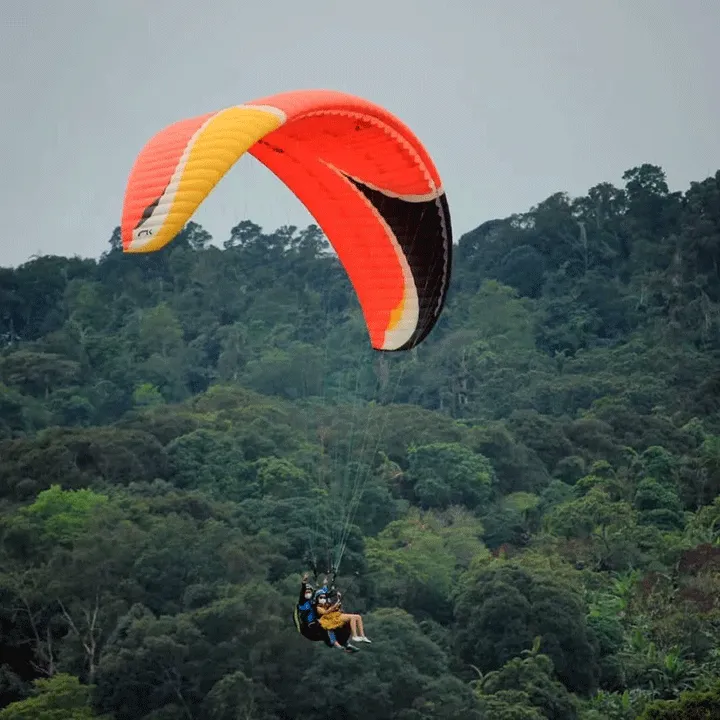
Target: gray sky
x,y
515,99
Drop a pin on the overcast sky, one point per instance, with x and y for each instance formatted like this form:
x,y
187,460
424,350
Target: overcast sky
x,y
514,99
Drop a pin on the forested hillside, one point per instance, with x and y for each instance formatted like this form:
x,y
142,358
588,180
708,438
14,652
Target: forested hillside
x,y
526,504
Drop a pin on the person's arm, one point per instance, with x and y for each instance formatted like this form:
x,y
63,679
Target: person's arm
x,y
302,589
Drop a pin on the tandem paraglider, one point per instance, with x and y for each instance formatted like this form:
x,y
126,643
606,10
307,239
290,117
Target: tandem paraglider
x,y
375,193
318,616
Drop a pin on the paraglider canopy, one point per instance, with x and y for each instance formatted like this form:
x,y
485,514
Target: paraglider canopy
x,y
364,176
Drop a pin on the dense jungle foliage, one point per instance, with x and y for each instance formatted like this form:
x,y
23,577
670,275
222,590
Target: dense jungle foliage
x,y
538,535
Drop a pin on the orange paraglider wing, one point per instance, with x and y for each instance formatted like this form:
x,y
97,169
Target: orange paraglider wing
x,y
363,175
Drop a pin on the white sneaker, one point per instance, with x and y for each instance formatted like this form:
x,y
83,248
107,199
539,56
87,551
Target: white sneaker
x,y
357,638
364,639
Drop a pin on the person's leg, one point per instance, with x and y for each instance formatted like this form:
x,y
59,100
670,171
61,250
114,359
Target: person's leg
x,y
355,623
352,619
360,628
